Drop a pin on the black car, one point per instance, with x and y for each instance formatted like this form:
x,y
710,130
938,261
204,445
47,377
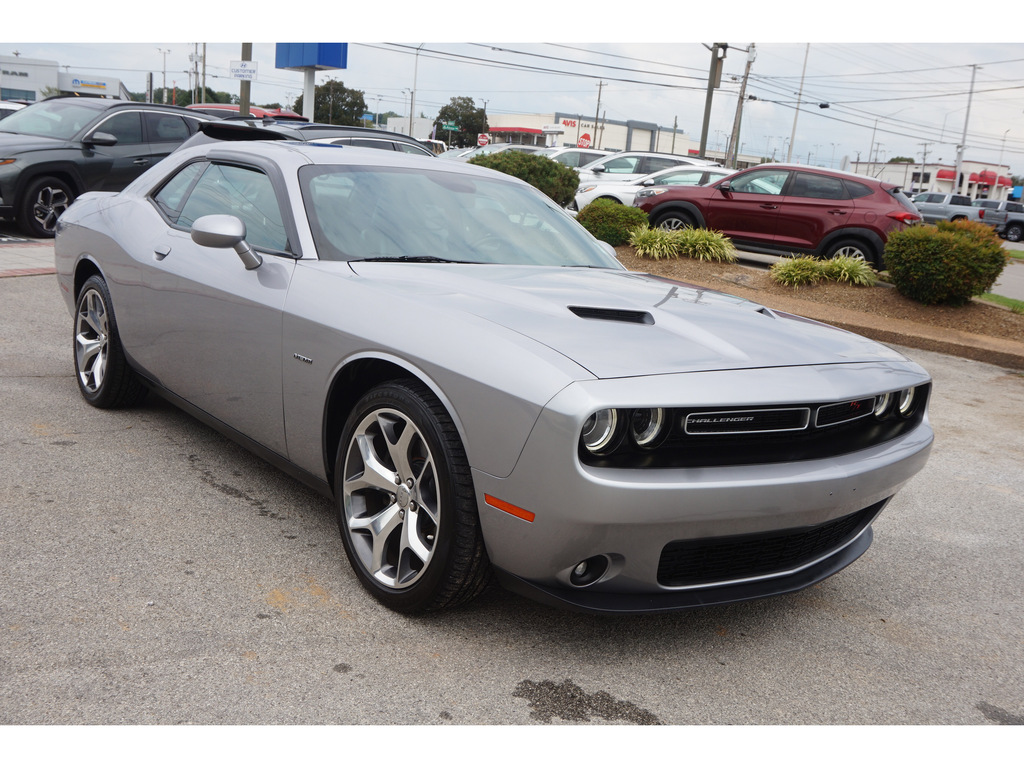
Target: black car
x,y
267,128
54,150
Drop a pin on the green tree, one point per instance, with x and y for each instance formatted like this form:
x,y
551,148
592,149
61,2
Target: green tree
x,y
335,104
899,159
462,112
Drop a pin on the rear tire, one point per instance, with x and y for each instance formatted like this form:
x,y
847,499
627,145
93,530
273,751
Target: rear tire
x,y
1013,232
104,377
857,249
406,502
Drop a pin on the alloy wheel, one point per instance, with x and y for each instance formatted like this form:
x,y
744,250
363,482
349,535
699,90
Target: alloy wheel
x,y
91,340
391,498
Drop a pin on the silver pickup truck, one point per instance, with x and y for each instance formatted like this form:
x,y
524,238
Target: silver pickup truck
x,y
1006,217
936,206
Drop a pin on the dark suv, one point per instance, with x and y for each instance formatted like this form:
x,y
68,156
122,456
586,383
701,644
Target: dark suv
x,y
788,209
54,150
268,128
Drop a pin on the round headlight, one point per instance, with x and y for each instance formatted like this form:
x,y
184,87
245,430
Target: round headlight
x,y
599,430
882,403
906,406
646,425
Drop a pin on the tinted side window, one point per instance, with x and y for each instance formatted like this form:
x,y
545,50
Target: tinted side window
x,y
766,182
1015,207
856,189
621,165
243,192
653,164
165,128
819,187
126,126
959,200
171,196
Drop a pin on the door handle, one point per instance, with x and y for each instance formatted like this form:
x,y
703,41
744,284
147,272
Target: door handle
x,y
141,161
161,252
769,206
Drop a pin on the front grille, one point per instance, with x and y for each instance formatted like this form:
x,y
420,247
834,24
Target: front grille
x,y
759,555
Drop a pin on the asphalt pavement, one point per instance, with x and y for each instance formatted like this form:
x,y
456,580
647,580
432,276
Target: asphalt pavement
x,y
154,573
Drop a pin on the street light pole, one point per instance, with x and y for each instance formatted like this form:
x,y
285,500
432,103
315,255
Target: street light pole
x,y
161,50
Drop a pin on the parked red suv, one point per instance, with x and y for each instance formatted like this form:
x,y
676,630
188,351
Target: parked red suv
x,y
788,209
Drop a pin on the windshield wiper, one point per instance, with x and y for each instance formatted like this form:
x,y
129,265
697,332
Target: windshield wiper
x,y
416,259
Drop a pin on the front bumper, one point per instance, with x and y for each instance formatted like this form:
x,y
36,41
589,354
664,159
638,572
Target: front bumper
x,y
645,528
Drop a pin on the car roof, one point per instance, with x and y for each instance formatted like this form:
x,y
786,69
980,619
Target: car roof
x,y
273,129
685,159
290,154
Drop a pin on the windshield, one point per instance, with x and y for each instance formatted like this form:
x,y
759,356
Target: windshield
x,y
359,213
56,119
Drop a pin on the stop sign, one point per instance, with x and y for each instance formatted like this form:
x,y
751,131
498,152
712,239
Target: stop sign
x,y
483,139
584,142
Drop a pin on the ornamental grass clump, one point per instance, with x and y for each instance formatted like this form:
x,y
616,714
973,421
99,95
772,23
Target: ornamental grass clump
x,y
704,244
946,263
797,270
654,244
849,269
611,221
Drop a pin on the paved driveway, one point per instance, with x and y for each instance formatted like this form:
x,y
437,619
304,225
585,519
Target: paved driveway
x,y
152,572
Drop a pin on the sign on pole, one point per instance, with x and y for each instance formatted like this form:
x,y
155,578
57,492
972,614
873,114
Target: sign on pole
x,y
243,70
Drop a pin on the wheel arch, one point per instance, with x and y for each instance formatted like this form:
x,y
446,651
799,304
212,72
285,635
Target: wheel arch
x,y
353,379
63,171
870,239
677,206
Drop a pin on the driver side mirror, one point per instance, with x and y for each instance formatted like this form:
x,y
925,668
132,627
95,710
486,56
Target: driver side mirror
x,y
725,187
222,231
101,139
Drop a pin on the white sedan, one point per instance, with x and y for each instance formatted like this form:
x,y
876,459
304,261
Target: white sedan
x,y
624,191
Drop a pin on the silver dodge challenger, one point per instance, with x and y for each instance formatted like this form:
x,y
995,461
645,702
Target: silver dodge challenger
x,y
480,386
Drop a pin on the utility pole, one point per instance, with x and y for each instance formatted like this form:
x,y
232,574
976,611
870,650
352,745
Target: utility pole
x,y
412,96
963,141
246,85
597,115
799,97
161,50
718,51
924,165
730,156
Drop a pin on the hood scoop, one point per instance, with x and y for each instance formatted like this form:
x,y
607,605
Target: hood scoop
x,y
635,316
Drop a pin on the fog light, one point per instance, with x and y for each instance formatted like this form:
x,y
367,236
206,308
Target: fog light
x,y
599,431
588,571
906,406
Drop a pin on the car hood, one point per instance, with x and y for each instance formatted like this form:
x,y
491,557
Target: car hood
x,y
24,142
617,323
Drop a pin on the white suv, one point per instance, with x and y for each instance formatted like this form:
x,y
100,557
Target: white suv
x,y
628,166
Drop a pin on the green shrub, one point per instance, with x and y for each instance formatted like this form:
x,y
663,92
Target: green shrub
x,y
703,244
797,270
947,263
611,221
849,269
653,243
555,180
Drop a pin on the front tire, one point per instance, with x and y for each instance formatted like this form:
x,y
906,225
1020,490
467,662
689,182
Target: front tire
x,y
674,220
104,376
45,200
406,503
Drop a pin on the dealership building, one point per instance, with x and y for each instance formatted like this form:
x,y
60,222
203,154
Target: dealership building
x,y
31,80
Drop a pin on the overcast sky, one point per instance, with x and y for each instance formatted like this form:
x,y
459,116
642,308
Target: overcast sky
x,y
905,94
